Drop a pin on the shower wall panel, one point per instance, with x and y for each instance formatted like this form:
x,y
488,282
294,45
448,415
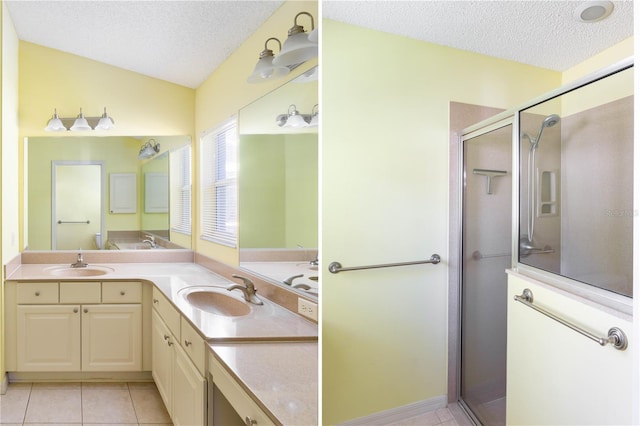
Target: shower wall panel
x,y
597,174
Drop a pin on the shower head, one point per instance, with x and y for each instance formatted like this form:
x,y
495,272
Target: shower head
x,y
549,121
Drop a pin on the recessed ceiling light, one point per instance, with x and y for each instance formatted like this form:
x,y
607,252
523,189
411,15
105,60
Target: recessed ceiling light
x,y
593,11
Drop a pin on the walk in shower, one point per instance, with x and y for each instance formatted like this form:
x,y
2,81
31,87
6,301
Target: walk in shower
x,y
568,221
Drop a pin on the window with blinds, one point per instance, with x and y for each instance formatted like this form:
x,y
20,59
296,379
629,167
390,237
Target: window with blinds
x,y
180,164
218,174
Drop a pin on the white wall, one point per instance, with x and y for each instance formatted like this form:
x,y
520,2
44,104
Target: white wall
x,y
556,376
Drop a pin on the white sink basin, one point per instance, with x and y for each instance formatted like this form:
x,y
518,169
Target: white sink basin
x,y
68,271
216,301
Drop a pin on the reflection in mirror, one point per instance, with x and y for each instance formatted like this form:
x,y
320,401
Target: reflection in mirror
x,y
576,190
278,188
140,191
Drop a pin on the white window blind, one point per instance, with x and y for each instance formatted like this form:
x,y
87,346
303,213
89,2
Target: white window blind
x,y
218,174
181,190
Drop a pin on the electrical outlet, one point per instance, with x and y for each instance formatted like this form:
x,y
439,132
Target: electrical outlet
x,y
308,309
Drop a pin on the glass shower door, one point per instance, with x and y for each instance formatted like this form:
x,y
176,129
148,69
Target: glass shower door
x,y
486,253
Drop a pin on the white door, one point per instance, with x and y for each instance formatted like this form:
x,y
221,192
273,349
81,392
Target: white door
x,y
188,391
162,359
77,205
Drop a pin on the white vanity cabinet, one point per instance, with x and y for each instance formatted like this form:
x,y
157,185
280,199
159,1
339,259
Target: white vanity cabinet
x,y
178,358
229,402
74,326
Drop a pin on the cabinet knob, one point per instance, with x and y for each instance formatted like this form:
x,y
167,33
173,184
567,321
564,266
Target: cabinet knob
x,y
37,293
75,310
122,293
169,342
166,337
248,421
187,343
86,310
155,301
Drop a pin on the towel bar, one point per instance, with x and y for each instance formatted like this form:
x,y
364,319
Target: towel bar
x,y
335,267
615,336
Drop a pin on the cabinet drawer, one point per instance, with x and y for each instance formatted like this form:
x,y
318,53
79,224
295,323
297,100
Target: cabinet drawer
x,y
193,344
122,292
167,312
37,293
80,292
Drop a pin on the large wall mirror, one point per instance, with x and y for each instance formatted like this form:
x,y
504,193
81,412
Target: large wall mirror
x,y
140,195
278,185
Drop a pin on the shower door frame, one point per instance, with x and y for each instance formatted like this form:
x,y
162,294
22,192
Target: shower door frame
x,y
499,121
455,249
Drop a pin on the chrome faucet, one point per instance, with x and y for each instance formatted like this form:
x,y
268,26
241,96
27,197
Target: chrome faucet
x,y
289,281
314,262
302,286
80,262
151,240
248,289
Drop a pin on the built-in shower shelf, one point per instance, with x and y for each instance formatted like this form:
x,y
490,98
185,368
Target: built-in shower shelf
x,y
489,174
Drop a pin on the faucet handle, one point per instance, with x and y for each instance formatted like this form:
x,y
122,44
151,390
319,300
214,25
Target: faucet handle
x,y
247,282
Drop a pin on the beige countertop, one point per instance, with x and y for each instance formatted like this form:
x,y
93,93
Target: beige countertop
x,y
284,377
291,340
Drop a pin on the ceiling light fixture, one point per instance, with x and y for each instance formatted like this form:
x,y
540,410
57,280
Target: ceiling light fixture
x,y
294,119
149,149
593,11
79,123
265,69
297,48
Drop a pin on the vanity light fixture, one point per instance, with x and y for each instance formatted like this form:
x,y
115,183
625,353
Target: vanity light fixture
x,y
55,123
315,112
79,123
265,69
149,149
298,48
294,119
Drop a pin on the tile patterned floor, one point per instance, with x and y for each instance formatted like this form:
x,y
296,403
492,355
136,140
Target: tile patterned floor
x,y
82,404
450,416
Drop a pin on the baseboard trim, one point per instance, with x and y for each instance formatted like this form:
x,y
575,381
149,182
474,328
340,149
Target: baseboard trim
x,y
4,384
399,413
23,377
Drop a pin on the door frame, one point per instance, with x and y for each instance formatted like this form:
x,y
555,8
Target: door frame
x,y
103,193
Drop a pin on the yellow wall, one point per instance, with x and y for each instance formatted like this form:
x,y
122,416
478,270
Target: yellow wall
x,y
9,159
140,105
385,103
226,91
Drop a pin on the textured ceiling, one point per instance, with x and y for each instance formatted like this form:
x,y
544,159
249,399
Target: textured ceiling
x,y
178,41
185,41
540,33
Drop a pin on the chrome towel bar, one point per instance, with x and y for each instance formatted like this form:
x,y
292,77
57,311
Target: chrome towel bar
x,y
615,336
65,221
335,267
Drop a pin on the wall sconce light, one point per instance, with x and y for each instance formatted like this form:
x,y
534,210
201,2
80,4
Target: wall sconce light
x,y
149,149
79,123
265,70
297,47
294,119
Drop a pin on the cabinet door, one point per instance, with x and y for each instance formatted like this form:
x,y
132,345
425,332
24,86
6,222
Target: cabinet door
x,y
48,338
188,392
123,194
111,338
162,358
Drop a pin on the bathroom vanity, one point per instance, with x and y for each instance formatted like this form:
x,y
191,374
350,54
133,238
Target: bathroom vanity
x,y
215,358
